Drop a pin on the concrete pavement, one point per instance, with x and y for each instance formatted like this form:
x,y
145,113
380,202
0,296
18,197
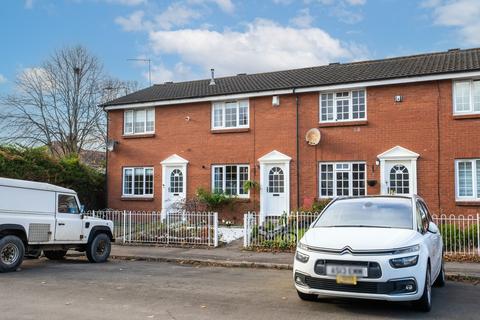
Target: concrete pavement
x,y
234,256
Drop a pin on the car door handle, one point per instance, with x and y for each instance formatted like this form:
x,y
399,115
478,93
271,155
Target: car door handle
x,y
61,224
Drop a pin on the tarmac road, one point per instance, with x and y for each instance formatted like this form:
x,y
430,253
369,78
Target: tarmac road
x,y
76,289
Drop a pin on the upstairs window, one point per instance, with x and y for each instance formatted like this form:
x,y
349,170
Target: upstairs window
x,y
466,97
467,174
230,114
343,106
139,121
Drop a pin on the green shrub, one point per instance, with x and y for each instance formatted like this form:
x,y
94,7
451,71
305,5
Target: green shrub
x,y
36,164
213,200
455,238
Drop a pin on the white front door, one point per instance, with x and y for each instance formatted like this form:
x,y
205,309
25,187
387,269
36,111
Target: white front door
x,y
399,177
174,186
276,189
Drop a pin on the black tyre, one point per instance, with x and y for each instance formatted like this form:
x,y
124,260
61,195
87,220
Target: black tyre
x,y
55,254
12,251
98,250
440,281
424,304
307,296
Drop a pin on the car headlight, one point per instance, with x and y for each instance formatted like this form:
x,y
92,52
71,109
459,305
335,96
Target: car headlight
x,y
414,248
302,257
302,246
404,262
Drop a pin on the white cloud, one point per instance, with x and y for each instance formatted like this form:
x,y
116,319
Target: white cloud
x,y
262,46
225,5
2,79
127,2
133,22
356,2
347,11
283,2
461,14
174,15
303,19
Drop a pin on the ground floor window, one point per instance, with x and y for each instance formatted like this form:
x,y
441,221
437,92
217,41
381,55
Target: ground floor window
x,y
229,179
467,175
342,179
138,181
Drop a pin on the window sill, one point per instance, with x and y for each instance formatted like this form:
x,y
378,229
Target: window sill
x,y
235,130
126,198
466,116
138,136
343,124
468,203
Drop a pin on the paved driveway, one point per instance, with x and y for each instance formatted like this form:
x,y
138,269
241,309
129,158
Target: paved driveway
x,y
75,289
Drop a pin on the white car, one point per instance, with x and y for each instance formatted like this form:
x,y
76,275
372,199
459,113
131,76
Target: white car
x,y
377,247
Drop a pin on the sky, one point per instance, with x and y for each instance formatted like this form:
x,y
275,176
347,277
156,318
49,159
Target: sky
x,y
185,38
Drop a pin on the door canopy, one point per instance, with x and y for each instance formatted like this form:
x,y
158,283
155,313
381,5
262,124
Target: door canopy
x,y
398,153
174,159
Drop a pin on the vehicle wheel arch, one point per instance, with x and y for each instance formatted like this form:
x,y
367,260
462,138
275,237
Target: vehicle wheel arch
x,y
14,230
100,229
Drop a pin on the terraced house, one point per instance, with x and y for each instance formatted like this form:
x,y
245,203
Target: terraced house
x,y
401,125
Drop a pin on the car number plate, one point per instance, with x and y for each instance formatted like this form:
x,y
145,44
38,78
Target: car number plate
x,y
346,279
335,270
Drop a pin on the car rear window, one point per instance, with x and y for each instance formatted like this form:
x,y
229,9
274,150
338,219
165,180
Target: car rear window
x,y
368,212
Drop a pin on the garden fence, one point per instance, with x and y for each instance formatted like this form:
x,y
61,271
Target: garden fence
x,y
179,228
461,234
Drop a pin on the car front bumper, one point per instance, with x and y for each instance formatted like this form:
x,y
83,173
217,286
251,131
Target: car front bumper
x,y
390,285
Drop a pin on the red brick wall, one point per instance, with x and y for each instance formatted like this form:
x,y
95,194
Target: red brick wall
x,y
411,124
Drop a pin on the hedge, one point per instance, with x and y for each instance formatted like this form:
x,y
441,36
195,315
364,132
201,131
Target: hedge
x,y
36,164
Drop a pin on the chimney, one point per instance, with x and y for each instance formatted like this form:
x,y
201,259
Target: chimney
x,y
212,79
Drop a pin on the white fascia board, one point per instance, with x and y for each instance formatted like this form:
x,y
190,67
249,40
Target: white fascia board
x,y
364,84
203,99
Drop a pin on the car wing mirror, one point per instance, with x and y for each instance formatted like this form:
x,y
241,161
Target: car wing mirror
x,y
432,227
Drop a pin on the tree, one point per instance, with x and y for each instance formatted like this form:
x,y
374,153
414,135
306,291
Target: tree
x,y
56,105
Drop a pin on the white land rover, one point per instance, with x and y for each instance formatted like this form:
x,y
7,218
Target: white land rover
x,y
38,216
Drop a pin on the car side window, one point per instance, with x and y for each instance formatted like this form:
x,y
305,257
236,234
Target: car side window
x,y
67,204
422,220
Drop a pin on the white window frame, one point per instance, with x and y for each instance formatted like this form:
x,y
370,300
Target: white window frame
x,y
133,111
475,192
350,177
224,180
222,105
454,97
133,195
350,111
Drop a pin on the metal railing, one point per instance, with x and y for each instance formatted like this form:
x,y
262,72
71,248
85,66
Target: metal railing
x,y
281,232
179,228
460,234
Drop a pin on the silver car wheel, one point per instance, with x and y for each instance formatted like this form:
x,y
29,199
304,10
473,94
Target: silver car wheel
x,y
10,254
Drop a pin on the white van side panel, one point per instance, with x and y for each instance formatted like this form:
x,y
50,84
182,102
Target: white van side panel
x,y
32,209
26,201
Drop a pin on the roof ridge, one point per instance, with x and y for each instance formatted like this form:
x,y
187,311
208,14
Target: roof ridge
x,y
412,56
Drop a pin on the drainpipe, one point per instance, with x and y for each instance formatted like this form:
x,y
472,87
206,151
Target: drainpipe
x,y
297,103
106,163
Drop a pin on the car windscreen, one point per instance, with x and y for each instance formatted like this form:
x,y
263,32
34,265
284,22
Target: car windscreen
x,y
368,212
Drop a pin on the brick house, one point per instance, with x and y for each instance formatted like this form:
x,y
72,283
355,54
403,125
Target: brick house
x,y
401,125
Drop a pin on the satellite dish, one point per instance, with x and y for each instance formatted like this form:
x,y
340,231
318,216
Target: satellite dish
x,y
313,136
